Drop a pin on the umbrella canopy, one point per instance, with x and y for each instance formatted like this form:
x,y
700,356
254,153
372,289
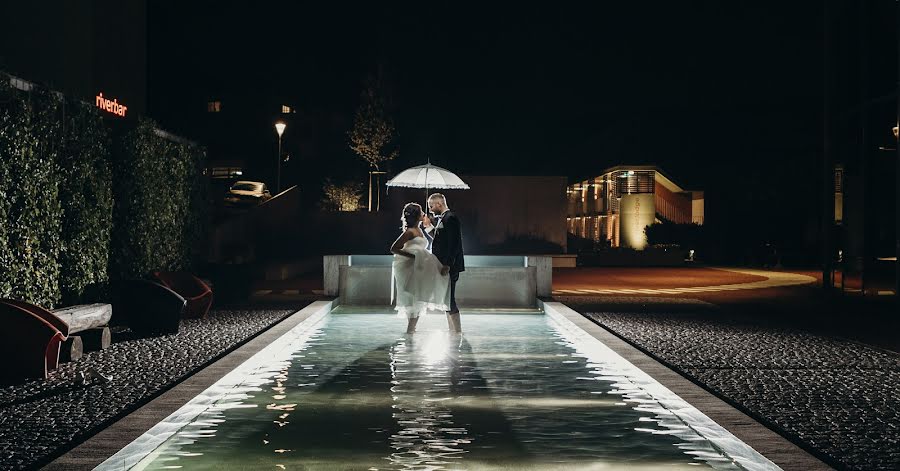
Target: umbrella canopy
x,y
429,177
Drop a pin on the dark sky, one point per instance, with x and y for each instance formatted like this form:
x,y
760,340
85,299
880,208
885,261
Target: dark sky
x,y
559,90
725,96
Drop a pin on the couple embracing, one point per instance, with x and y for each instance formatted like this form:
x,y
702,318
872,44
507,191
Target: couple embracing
x,y
428,257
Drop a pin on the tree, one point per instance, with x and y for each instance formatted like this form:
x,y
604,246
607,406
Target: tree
x,y
341,197
373,134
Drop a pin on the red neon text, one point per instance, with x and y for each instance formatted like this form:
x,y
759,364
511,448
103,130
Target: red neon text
x,y
111,106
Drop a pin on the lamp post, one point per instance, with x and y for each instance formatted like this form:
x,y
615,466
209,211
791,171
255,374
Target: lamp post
x,y
279,128
896,131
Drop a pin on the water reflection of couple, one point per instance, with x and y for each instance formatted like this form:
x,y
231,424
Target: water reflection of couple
x,y
424,279
444,409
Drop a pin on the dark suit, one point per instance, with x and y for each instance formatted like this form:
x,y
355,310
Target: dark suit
x,y
447,247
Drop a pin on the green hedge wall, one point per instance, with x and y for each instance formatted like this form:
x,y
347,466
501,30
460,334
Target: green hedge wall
x,y
85,191
159,211
78,207
30,211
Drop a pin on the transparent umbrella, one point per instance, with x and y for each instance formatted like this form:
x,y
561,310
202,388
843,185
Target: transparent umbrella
x,y
428,177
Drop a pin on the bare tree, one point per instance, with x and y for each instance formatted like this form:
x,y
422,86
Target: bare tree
x,y
373,135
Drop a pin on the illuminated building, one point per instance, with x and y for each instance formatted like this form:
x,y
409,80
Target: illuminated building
x,y
617,205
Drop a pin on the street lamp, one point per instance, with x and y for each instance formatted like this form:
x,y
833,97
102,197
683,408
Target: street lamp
x,y
279,128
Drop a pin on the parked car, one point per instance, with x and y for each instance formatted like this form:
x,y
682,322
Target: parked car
x,y
246,193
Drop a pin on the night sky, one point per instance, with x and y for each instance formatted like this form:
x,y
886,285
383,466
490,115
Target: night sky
x,y
725,96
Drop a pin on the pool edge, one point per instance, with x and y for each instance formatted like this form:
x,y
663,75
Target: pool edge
x,y
119,434
765,441
113,438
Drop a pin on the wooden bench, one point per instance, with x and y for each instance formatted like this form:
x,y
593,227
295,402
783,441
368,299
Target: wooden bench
x,y
35,340
91,323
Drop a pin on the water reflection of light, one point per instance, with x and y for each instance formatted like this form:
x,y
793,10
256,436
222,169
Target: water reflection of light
x,y
436,346
424,370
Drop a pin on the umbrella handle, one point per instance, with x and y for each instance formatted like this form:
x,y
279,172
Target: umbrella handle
x,y
426,184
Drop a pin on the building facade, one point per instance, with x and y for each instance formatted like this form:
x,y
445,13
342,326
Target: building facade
x,y
92,50
615,207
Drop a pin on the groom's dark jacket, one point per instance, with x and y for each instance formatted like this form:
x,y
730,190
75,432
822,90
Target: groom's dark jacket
x,y
447,245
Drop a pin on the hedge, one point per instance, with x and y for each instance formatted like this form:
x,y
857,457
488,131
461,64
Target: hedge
x,y
160,207
74,214
85,190
30,212
688,236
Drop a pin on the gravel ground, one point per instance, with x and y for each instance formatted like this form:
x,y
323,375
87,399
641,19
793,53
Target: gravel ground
x,y
40,420
837,398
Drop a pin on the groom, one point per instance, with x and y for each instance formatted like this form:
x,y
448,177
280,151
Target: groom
x,y
447,247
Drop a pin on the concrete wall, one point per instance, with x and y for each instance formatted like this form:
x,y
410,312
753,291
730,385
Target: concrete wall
x,y
495,282
638,212
675,207
499,215
503,214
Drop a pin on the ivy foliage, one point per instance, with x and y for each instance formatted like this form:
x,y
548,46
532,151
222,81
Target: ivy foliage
x,y
30,211
78,206
85,190
159,211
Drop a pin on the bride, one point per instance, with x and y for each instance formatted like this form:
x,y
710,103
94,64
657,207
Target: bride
x,y
417,284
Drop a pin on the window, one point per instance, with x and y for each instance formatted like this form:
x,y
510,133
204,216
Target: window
x,y
639,181
213,106
838,179
285,109
246,186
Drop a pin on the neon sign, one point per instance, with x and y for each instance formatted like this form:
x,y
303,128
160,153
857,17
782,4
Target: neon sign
x,y
112,106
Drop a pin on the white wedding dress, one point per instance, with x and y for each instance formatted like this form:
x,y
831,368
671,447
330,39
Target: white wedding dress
x,y
417,284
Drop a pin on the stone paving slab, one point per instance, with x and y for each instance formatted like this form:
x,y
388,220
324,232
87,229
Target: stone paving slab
x,y
837,398
41,419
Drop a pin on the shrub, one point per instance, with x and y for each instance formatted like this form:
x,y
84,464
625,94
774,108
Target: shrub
x,y
687,236
341,197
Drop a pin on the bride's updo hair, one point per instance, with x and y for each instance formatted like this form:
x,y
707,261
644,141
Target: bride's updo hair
x,y
412,213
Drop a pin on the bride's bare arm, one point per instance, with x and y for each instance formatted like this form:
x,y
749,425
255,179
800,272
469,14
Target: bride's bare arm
x,y
397,248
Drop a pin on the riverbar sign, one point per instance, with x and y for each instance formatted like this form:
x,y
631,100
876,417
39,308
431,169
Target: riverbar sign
x,y
112,106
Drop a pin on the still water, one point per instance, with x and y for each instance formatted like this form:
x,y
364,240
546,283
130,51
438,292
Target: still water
x,y
515,391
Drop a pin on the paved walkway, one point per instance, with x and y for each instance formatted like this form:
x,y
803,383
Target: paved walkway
x,y
755,279
41,419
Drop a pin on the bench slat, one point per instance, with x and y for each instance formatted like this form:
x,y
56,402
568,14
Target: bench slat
x,y
85,316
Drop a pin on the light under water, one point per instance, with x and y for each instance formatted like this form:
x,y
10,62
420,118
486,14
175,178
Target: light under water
x,y
515,391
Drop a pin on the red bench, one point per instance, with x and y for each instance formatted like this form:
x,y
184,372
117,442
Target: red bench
x,y
30,340
198,295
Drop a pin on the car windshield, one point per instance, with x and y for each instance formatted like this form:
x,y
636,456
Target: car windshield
x,y
245,187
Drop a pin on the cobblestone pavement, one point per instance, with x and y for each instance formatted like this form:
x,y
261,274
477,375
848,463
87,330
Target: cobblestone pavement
x,y
40,420
838,398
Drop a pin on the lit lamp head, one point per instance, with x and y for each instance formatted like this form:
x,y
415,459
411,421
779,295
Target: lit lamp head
x,y
279,127
896,131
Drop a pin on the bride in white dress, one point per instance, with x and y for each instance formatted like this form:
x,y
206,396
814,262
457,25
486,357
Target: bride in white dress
x,y
417,284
